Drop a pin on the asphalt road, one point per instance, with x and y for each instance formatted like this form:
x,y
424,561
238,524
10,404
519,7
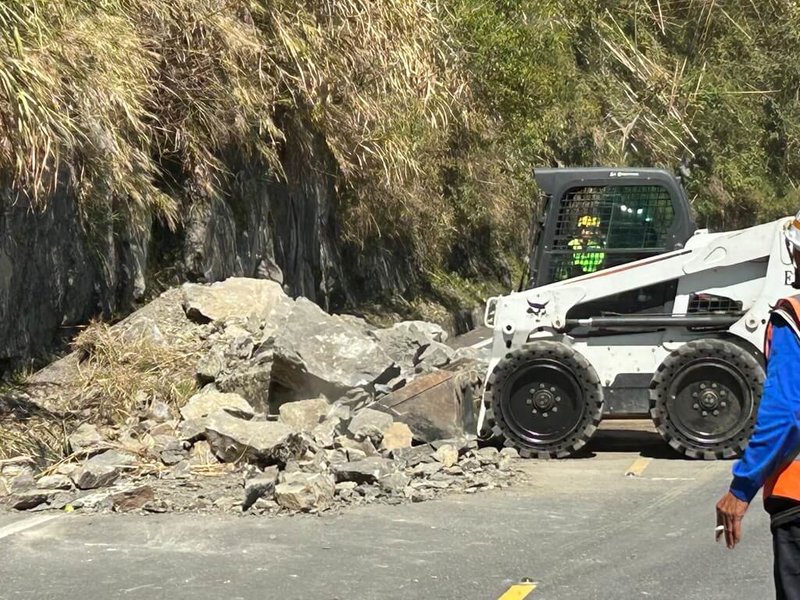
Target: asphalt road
x,y
580,528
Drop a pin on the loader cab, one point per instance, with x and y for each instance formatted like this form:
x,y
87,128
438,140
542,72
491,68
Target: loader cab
x,y
595,218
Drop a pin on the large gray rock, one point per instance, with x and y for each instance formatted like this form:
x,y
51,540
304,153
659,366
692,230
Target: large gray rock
x,y
305,491
304,415
320,354
102,470
233,298
234,439
210,401
437,405
404,340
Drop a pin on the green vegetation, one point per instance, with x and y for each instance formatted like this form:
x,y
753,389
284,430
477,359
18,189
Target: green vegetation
x,y
435,111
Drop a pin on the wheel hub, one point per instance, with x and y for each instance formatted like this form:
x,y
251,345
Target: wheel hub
x,y
543,398
543,402
708,400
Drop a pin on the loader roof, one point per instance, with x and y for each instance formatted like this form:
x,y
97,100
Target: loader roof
x,y
551,180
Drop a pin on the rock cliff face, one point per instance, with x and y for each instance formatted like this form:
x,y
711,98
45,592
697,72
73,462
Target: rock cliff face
x,y
57,270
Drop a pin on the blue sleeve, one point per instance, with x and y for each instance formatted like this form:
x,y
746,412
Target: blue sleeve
x,y
776,436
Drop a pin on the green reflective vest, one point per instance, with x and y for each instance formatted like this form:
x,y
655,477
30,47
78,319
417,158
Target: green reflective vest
x,y
587,257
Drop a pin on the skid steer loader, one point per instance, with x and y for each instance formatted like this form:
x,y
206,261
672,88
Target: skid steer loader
x,y
675,336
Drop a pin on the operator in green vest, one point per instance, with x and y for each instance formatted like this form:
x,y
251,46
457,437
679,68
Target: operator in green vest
x,y
587,254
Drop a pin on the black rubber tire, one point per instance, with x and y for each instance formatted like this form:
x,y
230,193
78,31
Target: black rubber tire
x,y
585,377
699,353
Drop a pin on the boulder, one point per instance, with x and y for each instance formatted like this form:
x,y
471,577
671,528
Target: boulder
x,y
317,354
233,298
304,415
211,401
404,340
235,439
436,405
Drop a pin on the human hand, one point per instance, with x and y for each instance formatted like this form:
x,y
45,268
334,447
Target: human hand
x,y
730,512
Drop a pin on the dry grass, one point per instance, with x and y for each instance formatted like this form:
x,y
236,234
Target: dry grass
x,y
123,374
42,441
110,92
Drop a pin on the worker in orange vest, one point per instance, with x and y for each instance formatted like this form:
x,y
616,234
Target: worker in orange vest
x,y
771,458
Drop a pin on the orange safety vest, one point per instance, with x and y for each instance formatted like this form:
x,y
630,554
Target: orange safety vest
x,y
785,482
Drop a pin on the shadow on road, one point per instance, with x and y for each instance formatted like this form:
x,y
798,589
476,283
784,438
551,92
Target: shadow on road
x,y
647,443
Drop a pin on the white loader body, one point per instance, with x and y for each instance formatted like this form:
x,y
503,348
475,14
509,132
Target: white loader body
x,y
750,266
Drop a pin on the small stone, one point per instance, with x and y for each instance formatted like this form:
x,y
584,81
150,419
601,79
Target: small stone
x,y
28,499
339,411
324,434
102,470
209,367
304,415
414,455
159,411
462,444
510,452
22,482
337,456
371,424
192,429
260,486
354,454
86,439
165,428
201,455
394,483
425,469
346,485
396,436
305,491
211,401
132,499
54,482
366,446
436,355
470,464
487,455
368,470
447,455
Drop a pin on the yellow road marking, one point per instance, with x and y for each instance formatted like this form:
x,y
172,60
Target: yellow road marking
x,y
638,467
518,591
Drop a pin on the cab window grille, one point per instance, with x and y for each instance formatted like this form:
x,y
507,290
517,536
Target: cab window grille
x,y
598,227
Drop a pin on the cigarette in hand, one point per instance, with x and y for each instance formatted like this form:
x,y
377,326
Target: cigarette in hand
x,y
719,528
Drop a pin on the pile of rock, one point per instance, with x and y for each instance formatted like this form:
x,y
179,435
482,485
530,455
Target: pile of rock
x,y
297,410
